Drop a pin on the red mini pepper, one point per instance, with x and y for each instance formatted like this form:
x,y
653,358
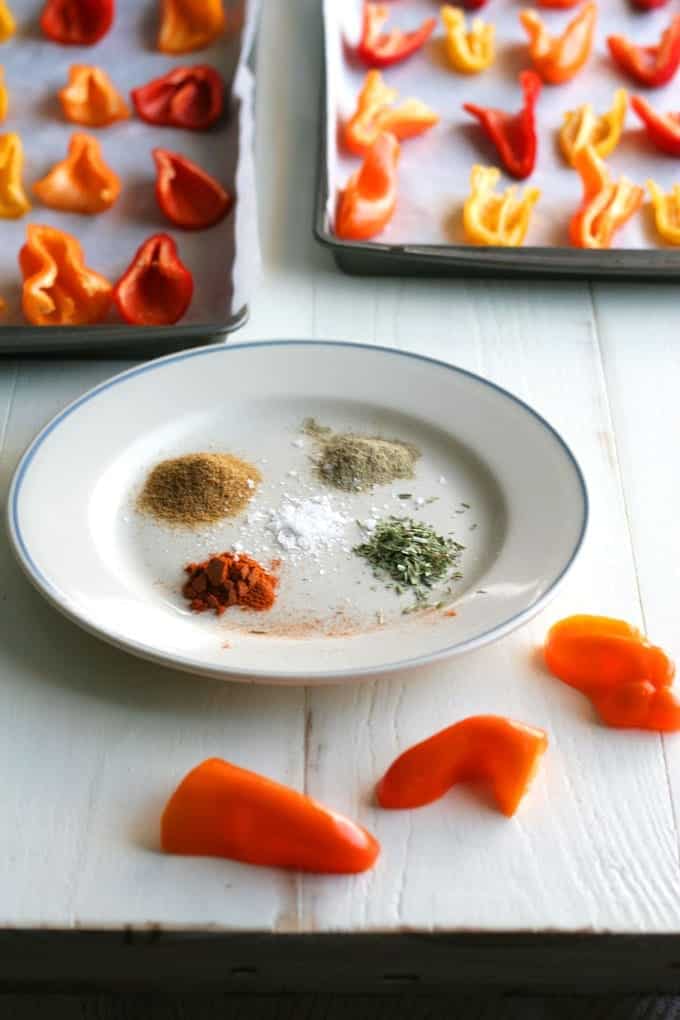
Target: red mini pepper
x,y
649,5
156,288
663,129
369,199
558,4
650,65
220,810
77,22
513,134
381,49
186,97
187,194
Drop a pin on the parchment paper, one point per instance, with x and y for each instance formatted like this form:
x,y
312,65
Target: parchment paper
x,y
434,169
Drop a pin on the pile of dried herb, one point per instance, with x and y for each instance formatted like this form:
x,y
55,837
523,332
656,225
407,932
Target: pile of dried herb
x,y
412,554
200,488
356,463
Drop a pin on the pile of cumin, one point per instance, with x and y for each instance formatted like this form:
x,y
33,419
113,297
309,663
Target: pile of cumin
x,y
357,463
198,488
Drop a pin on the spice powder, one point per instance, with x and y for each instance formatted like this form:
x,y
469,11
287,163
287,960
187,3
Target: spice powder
x,y
199,488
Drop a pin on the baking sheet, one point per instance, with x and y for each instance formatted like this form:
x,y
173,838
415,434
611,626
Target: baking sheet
x,y
223,259
434,169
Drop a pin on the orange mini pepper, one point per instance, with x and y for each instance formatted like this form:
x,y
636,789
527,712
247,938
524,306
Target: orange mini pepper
x,y
559,58
220,810
504,753
7,23
188,25
13,201
375,114
91,98
627,679
81,183
369,199
4,95
607,204
59,289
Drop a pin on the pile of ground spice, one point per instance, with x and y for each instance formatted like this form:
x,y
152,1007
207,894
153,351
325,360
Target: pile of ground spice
x,y
229,580
199,488
356,463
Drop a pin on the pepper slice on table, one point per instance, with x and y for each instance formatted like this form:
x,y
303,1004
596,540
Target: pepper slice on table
x,y
90,97
504,753
59,289
559,58
7,23
367,203
13,201
607,203
666,207
186,97
583,127
77,22
220,810
382,49
81,183
188,195
188,25
156,288
627,679
663,129
375,114
513,134
469,51
492,219
649,65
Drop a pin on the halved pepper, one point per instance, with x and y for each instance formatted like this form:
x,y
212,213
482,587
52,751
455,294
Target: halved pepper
x,y
59,289
513,134
90,97
77,22
7,23
493,219
375,114
650,65
468,51
382,49
188,25
583,127
607,204
367,203
558,4
649,5
186,97
187,194
81,183
220,810
502,752
13,201
4,95
559,58
663,129
156,288
666,207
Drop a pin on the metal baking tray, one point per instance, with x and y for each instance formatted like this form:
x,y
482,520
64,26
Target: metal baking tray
x,y
224,259
403,258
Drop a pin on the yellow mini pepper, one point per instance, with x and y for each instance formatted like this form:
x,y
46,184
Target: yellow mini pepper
x,y
666,211
583,127
7,22
468,52
4,95
496,219
13,201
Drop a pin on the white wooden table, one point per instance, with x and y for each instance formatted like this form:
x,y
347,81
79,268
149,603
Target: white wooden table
x,y
92,741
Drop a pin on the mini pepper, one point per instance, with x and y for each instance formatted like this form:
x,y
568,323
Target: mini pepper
x,y
382,49
81,183
650,65
607,204
59,289
559,58
185,97
666,206
7,23
156,288
4,95
77,22
367,203
188,25
13,201
493,219
90,98
513,134
187,194
375,114
469,51
583,127
663,129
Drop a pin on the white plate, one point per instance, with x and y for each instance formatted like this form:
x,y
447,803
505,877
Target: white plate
x,y
76,532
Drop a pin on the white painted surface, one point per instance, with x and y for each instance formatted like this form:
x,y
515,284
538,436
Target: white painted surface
x,y
92,741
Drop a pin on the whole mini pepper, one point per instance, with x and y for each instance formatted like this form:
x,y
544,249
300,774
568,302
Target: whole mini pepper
x,y
381,49
503,753
559,58
367,203
375,114
468,51
627,679
7,23
81,183
90,98
156,288
220,810
666,207
583,127
185,97
187,194
13,201
77,22
607,203
663,129
649,65
513,134
492,219
188,25
59,289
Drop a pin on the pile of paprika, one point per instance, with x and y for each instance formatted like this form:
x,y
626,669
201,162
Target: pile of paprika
x,y
229,580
